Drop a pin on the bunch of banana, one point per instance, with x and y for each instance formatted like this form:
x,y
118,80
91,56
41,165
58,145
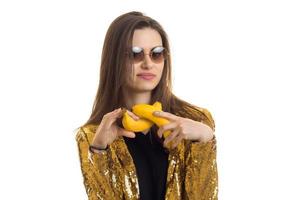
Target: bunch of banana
x,y
144,112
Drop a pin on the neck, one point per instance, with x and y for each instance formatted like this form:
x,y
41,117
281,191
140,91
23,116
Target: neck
x,y
133,98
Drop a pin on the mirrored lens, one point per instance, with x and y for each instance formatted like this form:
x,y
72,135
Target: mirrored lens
x,y
157,54
138,54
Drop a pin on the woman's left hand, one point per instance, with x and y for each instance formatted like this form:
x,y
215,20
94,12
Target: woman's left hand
x,y
183,128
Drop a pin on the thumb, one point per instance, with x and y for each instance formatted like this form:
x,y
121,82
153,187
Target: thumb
x,y
126,133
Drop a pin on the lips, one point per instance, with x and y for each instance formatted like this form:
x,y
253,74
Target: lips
x,y
146,76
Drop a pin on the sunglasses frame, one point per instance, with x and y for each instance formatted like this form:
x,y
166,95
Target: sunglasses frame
x,y
164,51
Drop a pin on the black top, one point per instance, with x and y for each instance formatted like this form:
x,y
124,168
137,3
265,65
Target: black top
x,y
151,163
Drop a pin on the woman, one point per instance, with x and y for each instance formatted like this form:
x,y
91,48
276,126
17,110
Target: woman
x,y
120,164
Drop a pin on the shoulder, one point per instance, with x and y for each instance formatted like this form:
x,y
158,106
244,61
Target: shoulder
x,y
208,118
196,113
86,132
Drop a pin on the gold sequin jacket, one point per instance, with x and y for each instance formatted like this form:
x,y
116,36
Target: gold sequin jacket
x,y
111,175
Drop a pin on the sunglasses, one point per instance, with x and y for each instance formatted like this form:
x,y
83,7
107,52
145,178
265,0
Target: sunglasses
x,y
157,54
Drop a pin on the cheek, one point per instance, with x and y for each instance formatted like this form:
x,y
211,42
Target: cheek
x,y
161,69
134,68
131,76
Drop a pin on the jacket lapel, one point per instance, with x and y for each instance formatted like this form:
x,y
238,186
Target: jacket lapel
x,y
129,179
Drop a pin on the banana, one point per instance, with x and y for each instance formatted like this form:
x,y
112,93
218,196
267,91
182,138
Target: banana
x,y
144,111
131,125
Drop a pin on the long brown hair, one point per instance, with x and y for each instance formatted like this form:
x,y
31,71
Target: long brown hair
x,y
116,65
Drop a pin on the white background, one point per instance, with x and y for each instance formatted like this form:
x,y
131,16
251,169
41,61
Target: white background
x,y
239,59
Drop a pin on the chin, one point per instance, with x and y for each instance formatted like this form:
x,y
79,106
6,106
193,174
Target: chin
x,y
143,89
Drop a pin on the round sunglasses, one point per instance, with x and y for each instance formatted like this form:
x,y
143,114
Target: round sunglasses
x,y
157,54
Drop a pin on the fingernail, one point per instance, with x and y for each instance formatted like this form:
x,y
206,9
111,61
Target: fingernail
x,y
156,113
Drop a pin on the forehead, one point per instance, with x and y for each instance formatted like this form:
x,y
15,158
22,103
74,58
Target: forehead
x,y
146,38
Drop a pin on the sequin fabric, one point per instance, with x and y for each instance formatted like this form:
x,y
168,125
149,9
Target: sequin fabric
x,y
111,175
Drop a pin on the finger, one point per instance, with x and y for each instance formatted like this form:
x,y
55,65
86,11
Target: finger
x,y
117,113
166,127
123,132
166,115
112,116
131,114
113,113
120,112
171,137
177,140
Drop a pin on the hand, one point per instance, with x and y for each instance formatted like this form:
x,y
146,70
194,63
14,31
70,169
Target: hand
x,y
183,128
108,129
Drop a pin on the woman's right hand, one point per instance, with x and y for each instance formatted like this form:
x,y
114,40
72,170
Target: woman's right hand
x,y
108,129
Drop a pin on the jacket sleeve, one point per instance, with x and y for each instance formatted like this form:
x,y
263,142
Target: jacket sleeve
x,y
201,178
95,170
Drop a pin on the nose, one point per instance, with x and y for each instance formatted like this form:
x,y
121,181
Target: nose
x,y
147,62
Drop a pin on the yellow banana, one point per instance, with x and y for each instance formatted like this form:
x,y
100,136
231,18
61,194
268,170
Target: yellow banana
x,y
132,125
144,111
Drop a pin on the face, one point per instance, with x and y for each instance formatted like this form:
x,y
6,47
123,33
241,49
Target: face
x,y
147,39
